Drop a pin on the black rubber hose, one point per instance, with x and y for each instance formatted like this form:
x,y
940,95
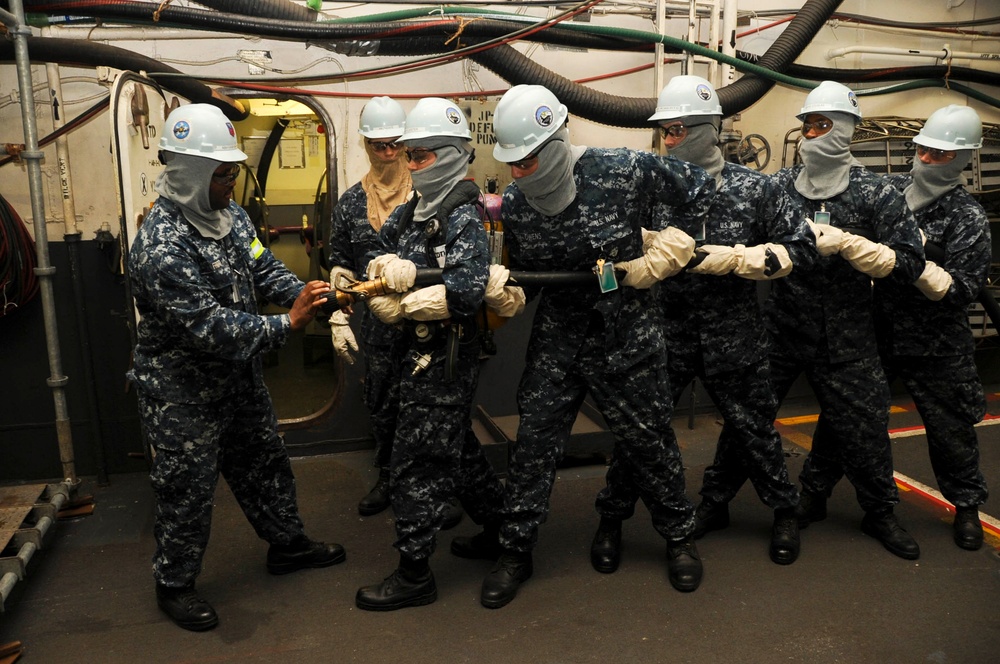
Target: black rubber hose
x,y
92,54
801,30
281,9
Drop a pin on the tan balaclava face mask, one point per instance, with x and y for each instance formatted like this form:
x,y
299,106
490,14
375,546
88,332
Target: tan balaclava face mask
x,y
387,185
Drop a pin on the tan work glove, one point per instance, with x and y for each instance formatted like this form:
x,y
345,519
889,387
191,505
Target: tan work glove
x,y
759,263
398,273
874,259
342,336
829,238
506,301
426,303
666,255
934,281
386,307
341,277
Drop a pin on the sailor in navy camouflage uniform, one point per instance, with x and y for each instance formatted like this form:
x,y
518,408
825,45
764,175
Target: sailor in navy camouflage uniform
x,y
357,218
434,455
820,317
923,330
195,269
575,208
715,330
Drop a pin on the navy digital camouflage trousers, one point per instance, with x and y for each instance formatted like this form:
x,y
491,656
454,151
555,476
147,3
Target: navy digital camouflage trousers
x,y
191,444
949,396
851,436
381,396
435,454
636,406
749,445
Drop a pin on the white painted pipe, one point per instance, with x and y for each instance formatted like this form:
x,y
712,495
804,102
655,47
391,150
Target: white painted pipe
x,y
943,54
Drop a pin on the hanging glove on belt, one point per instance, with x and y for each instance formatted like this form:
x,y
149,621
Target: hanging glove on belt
x,y
934,281
664,255
340,329
425,303
506,301
398,273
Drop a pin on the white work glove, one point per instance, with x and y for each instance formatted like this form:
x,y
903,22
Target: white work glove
x,y
341,276
426,303
506,301
934,281
666,255
874,259
759,263
829,238
718,260
342,335
397,272
386,307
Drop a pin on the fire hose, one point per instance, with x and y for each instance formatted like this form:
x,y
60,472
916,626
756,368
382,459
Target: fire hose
x,y
344,296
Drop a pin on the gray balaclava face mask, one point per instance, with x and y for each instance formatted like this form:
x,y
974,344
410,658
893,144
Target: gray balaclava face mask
x,y
932,181
827,159
186,181
551,188
434,182
701,145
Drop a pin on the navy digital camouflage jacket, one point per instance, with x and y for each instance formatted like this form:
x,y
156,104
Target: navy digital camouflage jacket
x,y
199,328
352,239
824,310
720,316
466,254
911,324
617,194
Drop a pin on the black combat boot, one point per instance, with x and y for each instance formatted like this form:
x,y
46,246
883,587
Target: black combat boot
x,y
606,549
886,529
452,515
785,537
484,545
377,499
683,564
500,586
186,608
812,507
967,528
302,554
411,584
710,515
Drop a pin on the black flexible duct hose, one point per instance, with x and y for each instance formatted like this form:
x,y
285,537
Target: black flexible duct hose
x,y
282,9
92,54
790,43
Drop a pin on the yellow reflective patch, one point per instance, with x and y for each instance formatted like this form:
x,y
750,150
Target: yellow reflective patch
x,y
256,249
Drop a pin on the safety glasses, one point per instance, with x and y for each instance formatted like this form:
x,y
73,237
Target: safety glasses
x,y
419,155
674,131
227,178
382,146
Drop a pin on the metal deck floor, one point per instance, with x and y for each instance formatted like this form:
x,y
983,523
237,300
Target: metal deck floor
x,y
89,594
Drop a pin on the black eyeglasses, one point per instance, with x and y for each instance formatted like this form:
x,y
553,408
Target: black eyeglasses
x,y
419,155
382,146
820,126
674,131
526,163
227,178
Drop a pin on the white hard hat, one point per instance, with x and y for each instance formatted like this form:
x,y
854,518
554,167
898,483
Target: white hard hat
x,y
686,95
525,117
201,130
434,116
382,117
952,128
830,96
